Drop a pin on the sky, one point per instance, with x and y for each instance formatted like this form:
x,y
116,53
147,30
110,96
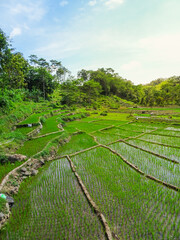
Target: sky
x,y
139,39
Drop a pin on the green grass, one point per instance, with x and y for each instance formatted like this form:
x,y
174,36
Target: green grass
x,y
135,207
50,125
34,118
34,146
2,205
7,167
52,206
77,143
25,130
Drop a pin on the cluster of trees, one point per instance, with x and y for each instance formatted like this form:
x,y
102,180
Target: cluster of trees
x,y
36,75
105,82
40,79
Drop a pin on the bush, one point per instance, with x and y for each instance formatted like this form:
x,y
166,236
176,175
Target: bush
x,y
104,113
42,120
3,159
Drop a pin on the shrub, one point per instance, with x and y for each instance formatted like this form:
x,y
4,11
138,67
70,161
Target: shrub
x,y
104,113
42,120
3,159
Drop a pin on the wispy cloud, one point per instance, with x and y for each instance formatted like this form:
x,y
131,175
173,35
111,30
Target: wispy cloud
x,y
29,10
63,3
92,3
113,3
15,32
162,47
131,66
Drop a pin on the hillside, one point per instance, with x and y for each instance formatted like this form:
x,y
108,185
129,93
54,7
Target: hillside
x,y
80,164
86,157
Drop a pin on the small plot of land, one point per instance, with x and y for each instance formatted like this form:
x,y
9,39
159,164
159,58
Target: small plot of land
x,y
104,138
77,143
150,164
86,127
34,146
162,139
137,127
121,132
25,130
51,125
54,207
168,132
34,118
170,152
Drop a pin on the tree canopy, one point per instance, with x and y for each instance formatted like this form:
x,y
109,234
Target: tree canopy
x,y
42,79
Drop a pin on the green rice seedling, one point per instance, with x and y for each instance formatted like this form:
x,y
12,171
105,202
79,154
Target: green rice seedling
x,y
25,130
115,116
121,132
173,128
111,122
168,132
52,146
105,138
150,164
161,139
34,118
51,125
148,125
69,128
77,143
86,127
131,203
138,128
52,206
170,152
34,146
89,119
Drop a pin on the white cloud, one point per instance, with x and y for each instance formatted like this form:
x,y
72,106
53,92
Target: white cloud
x,y
131,66
63,3
33,11
162,47
113,3
92,3
15,32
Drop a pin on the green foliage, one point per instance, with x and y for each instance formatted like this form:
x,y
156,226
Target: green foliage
x,y
104,113
8,98
3,159
42,120
2,204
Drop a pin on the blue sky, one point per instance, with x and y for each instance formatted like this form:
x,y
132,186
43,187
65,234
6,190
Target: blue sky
x,y
139,39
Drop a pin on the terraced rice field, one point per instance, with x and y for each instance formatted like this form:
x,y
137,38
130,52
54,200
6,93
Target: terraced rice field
x,y
130,172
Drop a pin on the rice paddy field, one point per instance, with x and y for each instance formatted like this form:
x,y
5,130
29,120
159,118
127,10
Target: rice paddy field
x,y
131,171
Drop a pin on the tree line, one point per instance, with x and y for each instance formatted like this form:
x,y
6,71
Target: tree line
x,y
38,79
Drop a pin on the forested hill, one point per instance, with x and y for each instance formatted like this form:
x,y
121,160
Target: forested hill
x,y
37,79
